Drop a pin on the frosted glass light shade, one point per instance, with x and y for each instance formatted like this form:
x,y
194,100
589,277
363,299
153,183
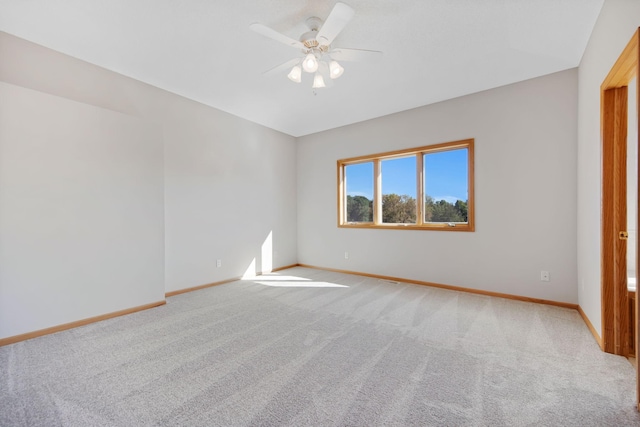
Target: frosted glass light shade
x,y
310,63
318,81
335,70
295,75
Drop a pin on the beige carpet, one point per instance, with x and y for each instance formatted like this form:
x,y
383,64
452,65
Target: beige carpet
x,y
309,347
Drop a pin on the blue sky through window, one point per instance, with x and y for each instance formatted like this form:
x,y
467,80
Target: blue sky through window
x,y
360,179
446,174
399,176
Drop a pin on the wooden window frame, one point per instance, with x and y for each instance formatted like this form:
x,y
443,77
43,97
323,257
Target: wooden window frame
x,y
419,152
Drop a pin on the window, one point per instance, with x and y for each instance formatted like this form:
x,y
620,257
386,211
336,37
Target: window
x,y
426,188
398,190
446,183
358,181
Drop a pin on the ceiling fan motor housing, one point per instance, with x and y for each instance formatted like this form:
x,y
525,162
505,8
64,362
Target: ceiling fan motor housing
x,y
308,39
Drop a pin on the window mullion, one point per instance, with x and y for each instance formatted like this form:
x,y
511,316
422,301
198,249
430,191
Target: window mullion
x,y
342,196
419,189
377,192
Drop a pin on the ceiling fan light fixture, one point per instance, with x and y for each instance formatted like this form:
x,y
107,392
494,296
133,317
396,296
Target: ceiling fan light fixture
x,y
318,81
315,47
295,75
310,63
335,69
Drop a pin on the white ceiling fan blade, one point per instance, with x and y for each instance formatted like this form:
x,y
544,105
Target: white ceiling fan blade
x,y
274,35
340,15
282,67
343,54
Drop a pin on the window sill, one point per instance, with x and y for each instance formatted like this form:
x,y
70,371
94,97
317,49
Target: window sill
x,y
432,227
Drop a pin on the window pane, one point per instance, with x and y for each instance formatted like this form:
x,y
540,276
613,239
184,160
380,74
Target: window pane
x,y
446,186
399,190
359,192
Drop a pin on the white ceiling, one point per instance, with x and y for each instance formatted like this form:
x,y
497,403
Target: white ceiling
x,y
204,50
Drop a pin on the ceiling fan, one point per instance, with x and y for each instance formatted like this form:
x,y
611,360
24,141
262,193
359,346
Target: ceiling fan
x,y
318,56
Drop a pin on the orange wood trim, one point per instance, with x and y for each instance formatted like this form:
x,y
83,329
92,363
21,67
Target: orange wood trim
x,y
420,189
620,219
590,326
444,146
377,193
615,319
425,227
341,197
284,268
625,67
197,288
471,210
71,325
449,287
607,109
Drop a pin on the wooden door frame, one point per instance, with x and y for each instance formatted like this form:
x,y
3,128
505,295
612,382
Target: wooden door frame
x,y
615,321
613,122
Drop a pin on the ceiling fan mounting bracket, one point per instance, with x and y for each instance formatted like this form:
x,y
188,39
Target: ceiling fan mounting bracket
x,y
314,23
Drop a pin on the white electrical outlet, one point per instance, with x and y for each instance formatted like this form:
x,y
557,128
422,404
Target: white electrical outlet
x,y
544,276
219,263
346,255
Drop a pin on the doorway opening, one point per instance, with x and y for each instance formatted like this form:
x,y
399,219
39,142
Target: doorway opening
x,y
619,132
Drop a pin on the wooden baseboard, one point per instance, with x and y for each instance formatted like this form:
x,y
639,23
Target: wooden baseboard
x,y
476,291
591,328
284,268
59,328
197,288
64,327
451,288
221,282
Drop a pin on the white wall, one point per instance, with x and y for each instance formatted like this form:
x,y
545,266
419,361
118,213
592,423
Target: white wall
x,y
525,165
81,211
617,22
525,179
229,191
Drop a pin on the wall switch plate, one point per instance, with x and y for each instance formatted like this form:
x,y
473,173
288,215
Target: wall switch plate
x,y
346,255
219,263
544,276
